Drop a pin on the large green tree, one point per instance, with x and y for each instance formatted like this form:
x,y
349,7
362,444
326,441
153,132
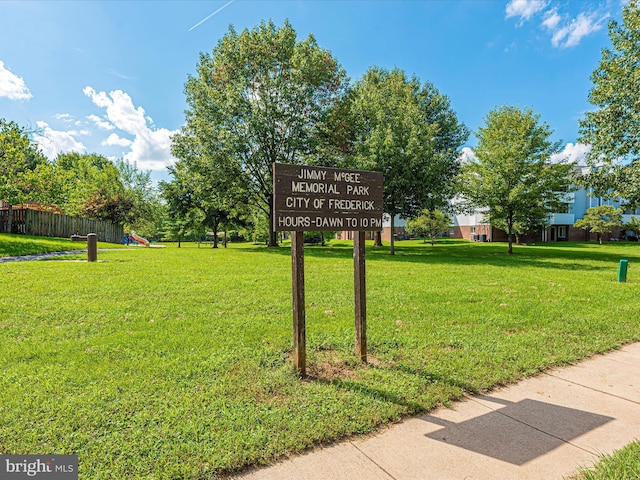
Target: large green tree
x,y
100,188
206,190
47,184
93,186
613,128
408,131
512,177
181,203
18,157
95,178
263,96
143,217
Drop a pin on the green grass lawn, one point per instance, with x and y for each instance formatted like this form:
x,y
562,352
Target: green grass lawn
x,y
176,363
623,464
12,245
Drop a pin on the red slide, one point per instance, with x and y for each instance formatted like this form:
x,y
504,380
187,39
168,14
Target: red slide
x,y
140,240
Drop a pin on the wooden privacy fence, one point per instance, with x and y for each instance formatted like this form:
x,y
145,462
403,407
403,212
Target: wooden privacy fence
x,y
47,224
5,227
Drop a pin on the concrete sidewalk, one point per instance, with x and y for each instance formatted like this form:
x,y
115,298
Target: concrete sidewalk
x,y
541,428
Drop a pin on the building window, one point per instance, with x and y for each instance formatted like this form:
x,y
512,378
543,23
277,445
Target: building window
x,y
452,231
564,208
472,230
562,231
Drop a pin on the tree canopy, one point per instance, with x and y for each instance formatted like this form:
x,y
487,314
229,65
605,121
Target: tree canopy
x,y
429,224
408,131
18,157
633,225
600,220
263,96
205,190
512,177
613,128
91,177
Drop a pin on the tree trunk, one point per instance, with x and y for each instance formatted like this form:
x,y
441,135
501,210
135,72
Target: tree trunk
x,y
225,240
377,242
510,233
393,241
432,242
178,241
273,235
215,235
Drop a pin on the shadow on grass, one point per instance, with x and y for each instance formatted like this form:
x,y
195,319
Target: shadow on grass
x,y
359,386
566,256
353,386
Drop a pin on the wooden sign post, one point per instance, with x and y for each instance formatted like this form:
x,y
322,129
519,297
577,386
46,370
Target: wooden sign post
x,y
360,295
299,327
326,199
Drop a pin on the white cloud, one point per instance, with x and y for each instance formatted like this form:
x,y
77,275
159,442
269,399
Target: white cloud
x,y
524,9
153,150
12,86
114,139
100,123
551,19
100,99
66,117
52,142
573,153
566,31
571,34
151,147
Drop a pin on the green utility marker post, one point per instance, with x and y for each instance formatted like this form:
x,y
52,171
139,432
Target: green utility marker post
x,y
622,270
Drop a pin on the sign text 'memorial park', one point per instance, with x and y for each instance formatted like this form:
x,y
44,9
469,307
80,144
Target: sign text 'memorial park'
x,y
325,199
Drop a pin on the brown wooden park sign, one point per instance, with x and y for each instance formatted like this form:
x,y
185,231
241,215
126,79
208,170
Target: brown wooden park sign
x,y
326,199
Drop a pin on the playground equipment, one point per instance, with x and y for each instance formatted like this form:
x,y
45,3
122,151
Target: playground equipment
x,y
140,240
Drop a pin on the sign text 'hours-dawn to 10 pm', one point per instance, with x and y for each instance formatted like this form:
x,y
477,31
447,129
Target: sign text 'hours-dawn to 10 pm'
x,y
325,199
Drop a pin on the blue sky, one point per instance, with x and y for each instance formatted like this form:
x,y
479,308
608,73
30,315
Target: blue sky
x,y
108,76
